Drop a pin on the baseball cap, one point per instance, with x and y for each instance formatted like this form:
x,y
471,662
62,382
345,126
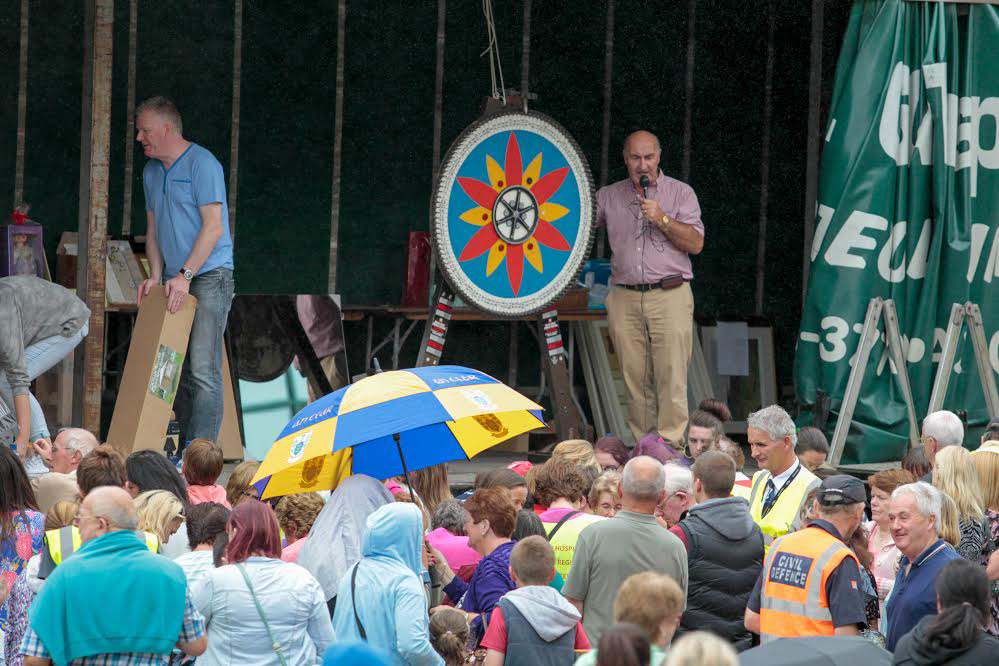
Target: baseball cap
x,y
841,489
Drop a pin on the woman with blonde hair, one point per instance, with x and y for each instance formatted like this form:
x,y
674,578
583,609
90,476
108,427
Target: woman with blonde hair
x,y
160,512
701,648
954,474
430,483
950,525
603,498
579,452
986,462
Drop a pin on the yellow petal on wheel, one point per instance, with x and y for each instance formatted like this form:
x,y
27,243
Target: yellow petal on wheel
x,y
496,255
532,252
533,172
496,176
477,216
552,211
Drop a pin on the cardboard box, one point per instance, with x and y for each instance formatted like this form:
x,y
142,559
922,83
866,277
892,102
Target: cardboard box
x,y
152,374
229,439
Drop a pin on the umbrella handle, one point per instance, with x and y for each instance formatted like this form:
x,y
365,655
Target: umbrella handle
x,y
402,459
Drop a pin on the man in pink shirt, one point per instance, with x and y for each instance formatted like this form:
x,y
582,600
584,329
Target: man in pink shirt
x,y
654,225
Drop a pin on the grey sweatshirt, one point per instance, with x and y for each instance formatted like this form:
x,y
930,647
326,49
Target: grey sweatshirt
x,y
544,609
32,309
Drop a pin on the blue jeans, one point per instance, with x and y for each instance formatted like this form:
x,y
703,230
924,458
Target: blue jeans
x,y
199,396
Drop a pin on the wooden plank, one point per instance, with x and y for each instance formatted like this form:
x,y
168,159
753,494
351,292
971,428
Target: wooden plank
x,y
812,139
94,230
22,104
237,74
341,26
126,207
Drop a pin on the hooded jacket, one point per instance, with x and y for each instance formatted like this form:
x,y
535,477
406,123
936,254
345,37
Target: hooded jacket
x,y
334,543
388,595
914,650
725,556
540,626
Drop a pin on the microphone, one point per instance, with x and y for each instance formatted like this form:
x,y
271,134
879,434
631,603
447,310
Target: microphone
x,y
644,182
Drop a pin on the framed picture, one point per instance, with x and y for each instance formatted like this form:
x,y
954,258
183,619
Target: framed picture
x,y
22,251
743,394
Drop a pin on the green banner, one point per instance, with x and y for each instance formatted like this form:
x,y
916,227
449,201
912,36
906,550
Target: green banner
x,y
908,209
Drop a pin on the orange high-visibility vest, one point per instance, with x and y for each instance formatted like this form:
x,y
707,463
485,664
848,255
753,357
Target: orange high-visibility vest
x,y
793,601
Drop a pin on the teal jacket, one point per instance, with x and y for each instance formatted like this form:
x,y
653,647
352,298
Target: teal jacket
x,y
391,603
112,596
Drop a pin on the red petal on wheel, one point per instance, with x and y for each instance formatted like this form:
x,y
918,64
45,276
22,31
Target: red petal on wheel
x,y
549,236
479,243
515,266
549,184
481,193
514,167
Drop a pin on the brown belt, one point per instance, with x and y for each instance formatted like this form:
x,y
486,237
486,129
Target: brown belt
x,y
668,282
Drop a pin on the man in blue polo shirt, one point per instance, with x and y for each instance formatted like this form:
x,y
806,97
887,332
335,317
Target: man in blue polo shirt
x,y
188,245
914,516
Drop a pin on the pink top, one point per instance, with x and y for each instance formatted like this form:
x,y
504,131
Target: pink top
x,y
290,552
214,493
885,564
454,548
641,253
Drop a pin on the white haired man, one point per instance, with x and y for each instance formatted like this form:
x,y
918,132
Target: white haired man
x,y
914,516
940,430
62,457
781,487
679,495
116,563
609,551
810,583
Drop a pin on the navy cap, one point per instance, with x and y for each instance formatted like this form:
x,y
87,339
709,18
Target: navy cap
x,y
841,489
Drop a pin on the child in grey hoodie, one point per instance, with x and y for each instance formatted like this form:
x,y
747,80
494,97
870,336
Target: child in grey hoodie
x,y
533,624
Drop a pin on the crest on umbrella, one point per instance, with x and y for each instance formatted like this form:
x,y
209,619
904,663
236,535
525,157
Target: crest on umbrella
x,y
298,447
311,471
492,424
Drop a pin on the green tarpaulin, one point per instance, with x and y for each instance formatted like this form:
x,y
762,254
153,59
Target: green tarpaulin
x,y
908,209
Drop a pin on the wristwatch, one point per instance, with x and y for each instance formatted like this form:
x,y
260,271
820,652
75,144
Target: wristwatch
x,y
666,222
188,274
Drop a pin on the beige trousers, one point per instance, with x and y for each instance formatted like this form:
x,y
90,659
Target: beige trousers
x,y
333,372
652,333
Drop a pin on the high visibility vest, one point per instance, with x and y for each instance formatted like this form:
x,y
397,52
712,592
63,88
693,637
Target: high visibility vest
x,y
65,541
784,513
793,598
564,542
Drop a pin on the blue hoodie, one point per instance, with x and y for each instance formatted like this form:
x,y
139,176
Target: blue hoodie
x,y
391,603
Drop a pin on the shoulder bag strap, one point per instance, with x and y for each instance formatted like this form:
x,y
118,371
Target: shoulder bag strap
x,y
353,601
256,602
559,524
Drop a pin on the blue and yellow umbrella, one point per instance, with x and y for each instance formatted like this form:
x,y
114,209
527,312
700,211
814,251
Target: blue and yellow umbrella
x,y
392,422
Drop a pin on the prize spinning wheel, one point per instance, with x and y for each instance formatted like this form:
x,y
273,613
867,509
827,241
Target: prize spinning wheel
x,y
513,213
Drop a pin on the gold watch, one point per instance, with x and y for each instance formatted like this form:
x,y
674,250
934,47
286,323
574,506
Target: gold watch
x,y
666,222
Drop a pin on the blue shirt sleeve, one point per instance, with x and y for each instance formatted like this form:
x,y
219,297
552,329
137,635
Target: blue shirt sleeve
x,y
208,181
845,594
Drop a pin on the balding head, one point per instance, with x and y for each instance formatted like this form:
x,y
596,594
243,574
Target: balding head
x,y
69,447
641,156
106,509
642,484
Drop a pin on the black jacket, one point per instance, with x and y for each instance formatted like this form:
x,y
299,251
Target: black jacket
x,y
913,650
725,556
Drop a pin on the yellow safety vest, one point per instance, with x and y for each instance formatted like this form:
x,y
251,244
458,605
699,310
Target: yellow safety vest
x,y
65,541
564,541
783,515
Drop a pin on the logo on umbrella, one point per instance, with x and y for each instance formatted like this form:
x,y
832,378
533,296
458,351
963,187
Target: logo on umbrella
x,y
480,399
298,446
492,424
311,470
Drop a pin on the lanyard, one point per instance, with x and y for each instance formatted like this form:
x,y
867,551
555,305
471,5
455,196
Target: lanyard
x,y
769,505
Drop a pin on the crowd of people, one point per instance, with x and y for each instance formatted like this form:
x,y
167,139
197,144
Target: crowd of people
x,y
601,555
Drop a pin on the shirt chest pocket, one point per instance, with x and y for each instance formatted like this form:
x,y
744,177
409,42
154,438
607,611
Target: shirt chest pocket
x,y
181,191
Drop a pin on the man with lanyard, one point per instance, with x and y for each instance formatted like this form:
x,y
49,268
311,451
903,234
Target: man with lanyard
x,y
810,583
188,243
781,487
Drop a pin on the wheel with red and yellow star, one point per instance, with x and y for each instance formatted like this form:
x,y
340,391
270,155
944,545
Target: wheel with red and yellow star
x,y
513,213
